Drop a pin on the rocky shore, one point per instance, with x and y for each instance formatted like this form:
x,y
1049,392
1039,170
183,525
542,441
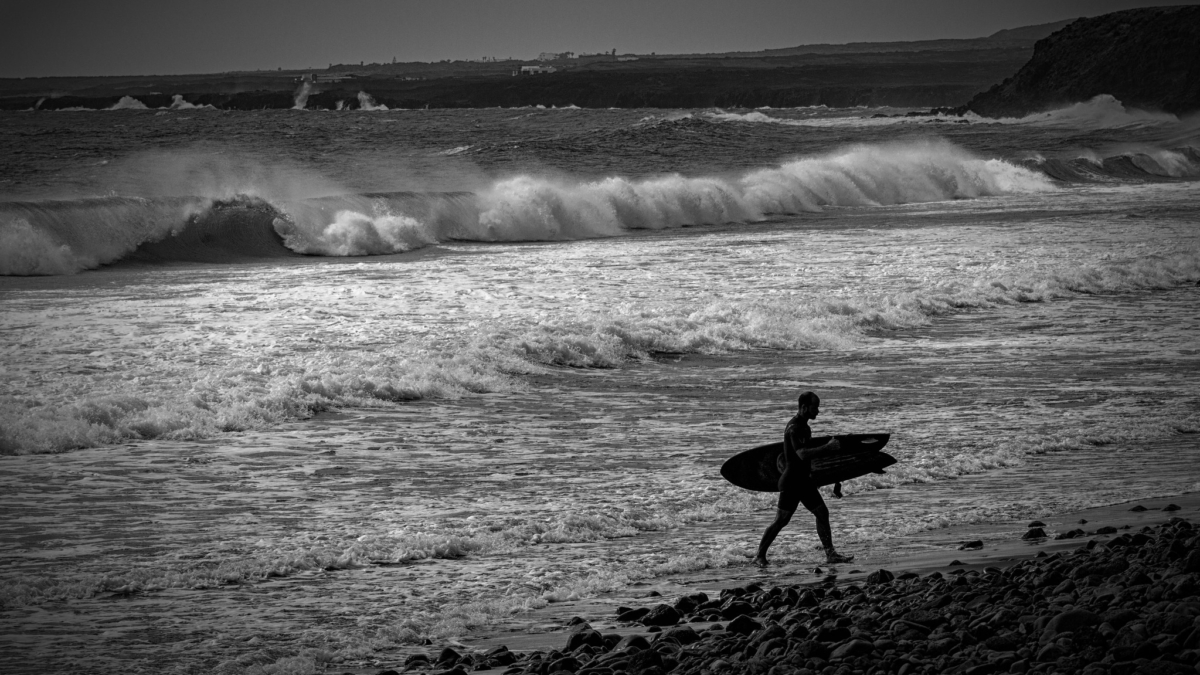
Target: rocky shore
x,y
1118,605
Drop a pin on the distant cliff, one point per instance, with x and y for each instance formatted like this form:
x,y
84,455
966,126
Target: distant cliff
x,y
1147,58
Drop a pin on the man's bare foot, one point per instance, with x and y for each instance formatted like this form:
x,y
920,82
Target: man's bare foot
x,y
761,562
833,558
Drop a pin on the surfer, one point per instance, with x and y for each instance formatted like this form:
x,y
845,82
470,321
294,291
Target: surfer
x,y
795,485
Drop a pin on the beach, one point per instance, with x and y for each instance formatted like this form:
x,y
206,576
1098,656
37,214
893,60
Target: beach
x,y
470,374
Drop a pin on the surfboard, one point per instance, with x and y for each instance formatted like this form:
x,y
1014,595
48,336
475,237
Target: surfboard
x,y
759,468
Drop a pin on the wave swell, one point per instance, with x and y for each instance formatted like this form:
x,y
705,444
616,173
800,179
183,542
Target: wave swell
x,y
66,237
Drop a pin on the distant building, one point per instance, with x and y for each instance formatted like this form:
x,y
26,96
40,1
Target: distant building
x,y
555,56
627,57
534,70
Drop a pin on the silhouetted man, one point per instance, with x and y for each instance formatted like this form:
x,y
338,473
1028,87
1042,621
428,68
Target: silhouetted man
x,y
796,485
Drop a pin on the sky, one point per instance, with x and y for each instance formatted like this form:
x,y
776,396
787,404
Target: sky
x,y
159,37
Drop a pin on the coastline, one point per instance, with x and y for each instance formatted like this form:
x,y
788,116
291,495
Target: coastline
x,y
549,628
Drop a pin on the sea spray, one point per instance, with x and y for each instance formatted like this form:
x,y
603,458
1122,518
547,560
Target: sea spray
x,y
367,102
300,98
533,208
128,103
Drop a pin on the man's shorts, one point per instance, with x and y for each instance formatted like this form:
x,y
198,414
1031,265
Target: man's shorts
x,y
804,493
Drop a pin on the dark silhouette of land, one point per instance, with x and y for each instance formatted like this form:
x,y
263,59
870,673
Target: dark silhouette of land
x,y
1146,58
910,74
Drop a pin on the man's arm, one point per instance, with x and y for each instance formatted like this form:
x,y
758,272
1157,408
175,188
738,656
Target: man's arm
x,y
820,450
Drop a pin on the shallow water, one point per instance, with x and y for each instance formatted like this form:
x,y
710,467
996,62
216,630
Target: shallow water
x,y
354,454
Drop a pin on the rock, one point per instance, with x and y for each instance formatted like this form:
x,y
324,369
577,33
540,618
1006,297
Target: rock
x,y
743,625
661,615
811,649
955,563
587,637
569,664
1083,521
448,655
500,656
807,599
690,602
1034,533
765,648
736,609
1069,621
1139,508
684,635
1036,523
416,658
644,660
633,614
925,618
852,648
971,545
1004,642
1171,507
942,645
832,634
1050,652
628,642
880,577
1107,529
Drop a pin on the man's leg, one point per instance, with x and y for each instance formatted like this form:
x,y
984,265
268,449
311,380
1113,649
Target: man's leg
x,y
781,520
811,498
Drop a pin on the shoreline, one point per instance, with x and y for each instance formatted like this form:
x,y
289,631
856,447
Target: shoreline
x,y
548,628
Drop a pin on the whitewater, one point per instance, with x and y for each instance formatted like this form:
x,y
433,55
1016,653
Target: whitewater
x,y
422,372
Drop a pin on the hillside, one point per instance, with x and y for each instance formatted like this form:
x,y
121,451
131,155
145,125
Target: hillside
x,y
1146,58
919,74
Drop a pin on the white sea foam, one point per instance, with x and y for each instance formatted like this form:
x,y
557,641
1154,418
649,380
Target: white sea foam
x,y
1101,112
518,208
533,208
247,392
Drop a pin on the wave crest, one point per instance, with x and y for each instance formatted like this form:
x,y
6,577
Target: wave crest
x,y
518,208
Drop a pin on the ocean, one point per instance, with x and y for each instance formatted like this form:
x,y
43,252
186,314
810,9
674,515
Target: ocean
x,y
293,390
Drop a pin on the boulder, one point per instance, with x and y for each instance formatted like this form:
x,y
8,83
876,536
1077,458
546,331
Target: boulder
x,y
880,577
635,642
743,625
684,635
661,615
735,609
632,615
1069,621
690,602
584,637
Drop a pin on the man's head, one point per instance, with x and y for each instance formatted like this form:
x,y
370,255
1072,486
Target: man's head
x,y
809,404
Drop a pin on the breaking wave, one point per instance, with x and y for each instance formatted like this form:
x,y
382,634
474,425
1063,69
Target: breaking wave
x,y
69,236
1142,164
1101,112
